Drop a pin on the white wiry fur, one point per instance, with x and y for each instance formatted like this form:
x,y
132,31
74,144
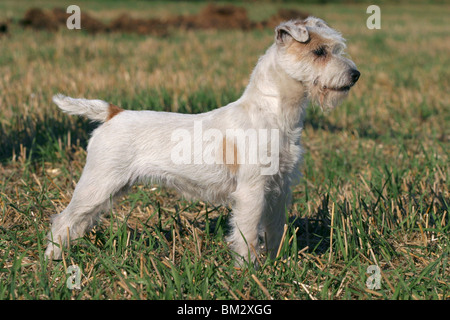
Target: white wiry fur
x,y
93,109
133,146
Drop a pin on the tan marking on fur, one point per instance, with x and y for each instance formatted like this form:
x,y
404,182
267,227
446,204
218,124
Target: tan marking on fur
x,y
230,145
302,50
113,111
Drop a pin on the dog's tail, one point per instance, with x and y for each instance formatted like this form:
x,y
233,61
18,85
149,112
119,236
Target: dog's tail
x,y
97,110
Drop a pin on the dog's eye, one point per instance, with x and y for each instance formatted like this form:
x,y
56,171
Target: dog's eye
x,y
320,52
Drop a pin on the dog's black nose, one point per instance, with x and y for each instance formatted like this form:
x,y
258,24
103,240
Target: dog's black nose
x,y
354,74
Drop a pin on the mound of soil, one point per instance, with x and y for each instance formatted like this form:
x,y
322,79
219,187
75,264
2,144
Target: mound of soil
x,y
218,17
125,23
60,15
92,25
51,20
40,20
88,23
211,17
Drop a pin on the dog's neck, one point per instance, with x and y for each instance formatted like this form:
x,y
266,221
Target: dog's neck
x,y
274,94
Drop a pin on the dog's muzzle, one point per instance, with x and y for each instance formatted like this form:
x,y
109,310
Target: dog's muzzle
x,y
354,76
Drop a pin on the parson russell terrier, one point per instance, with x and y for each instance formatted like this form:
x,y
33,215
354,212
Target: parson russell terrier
x,y
245,154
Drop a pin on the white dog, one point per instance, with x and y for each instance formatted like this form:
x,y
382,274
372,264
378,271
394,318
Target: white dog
x,y
245,154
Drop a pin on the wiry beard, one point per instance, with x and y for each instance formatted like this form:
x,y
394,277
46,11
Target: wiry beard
x,y
327,99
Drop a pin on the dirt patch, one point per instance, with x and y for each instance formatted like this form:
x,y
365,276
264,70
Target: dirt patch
x,y
88,23
92,25
126,23
211,17
216,17
40,20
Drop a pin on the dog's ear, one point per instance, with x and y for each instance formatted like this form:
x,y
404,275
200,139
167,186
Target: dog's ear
x,y
315,22
290,30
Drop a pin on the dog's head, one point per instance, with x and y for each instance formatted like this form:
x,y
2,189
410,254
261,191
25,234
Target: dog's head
x,y
313,53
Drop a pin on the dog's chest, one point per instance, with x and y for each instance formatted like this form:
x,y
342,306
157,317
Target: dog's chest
x,y
290,151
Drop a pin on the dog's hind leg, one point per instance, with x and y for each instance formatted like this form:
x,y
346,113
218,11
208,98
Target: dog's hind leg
x,y
92,197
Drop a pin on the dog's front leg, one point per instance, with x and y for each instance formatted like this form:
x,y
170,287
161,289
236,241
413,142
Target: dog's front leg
x,y
274,218
248,205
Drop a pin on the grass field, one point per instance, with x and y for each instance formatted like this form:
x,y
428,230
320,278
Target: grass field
x,y
375,186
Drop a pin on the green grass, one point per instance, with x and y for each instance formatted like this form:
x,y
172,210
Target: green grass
x,y
375,185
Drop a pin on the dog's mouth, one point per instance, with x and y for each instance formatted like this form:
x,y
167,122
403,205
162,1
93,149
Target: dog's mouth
x,y
339,89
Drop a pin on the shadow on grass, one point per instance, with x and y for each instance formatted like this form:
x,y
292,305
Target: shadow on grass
x,y
313,232
41,139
